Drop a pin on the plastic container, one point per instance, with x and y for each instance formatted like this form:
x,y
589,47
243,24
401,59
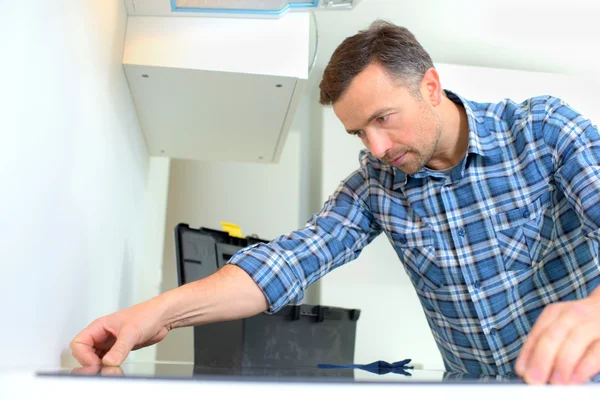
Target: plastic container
x,y
295,336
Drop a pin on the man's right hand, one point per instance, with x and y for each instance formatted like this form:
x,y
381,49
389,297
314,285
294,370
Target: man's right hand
x,y
109,339
228,294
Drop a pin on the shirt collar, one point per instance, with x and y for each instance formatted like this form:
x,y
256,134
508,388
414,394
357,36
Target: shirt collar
x,y
481,141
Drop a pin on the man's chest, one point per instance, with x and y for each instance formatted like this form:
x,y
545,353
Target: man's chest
x,y
450,232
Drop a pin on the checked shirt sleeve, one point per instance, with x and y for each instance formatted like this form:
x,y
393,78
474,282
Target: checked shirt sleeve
x,y
286,266
576,145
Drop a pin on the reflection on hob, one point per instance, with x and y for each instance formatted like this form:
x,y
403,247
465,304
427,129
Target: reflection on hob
x,y
169,370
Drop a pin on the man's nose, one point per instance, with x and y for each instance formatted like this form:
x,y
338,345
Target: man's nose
x,y
379,143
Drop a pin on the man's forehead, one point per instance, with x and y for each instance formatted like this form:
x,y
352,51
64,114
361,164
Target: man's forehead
x,y
355,107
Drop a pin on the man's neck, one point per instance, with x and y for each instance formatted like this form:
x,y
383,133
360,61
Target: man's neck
x,y
454,139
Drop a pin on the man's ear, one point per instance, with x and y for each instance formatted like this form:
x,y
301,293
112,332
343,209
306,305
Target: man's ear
x,y
431,88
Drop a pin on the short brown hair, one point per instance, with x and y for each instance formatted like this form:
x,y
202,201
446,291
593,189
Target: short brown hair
x,y
395,48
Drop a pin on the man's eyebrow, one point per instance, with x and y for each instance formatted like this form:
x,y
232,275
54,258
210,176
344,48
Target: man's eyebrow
x,y
373,116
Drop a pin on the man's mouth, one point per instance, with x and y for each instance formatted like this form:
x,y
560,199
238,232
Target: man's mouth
x,y
398,160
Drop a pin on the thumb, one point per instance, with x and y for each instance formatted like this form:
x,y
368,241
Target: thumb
x,y
119,351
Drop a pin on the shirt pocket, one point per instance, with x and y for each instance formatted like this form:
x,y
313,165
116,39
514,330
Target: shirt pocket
x,y
525,234
417,252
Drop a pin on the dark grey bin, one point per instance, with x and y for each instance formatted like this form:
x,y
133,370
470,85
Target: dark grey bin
x,y
295,336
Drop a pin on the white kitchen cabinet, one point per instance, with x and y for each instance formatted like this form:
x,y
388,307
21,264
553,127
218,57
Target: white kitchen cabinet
x,y
217,88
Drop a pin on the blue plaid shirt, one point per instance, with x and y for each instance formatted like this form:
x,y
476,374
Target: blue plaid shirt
x,y
513,227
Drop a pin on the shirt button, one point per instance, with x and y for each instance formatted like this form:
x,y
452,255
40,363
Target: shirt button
x,y
461,232
526,214
402,240
493,331
477,285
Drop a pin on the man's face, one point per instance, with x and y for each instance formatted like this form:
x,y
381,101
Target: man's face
x,y
399,128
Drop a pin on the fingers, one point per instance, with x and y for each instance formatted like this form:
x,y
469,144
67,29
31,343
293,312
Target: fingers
x,y
543,355
588,366
126,340
546,318
573,351
564,345
110,339
84,355
83,346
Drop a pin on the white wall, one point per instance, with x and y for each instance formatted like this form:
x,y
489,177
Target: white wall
x,y
533,35
73,172
263,199
392,326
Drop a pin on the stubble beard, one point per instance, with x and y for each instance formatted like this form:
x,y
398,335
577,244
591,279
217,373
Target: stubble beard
x,y
419,158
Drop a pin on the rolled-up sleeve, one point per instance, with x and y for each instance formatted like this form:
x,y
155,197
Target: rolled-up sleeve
x,y
286,266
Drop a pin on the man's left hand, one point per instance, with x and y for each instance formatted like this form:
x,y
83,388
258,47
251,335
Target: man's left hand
x,y
563,346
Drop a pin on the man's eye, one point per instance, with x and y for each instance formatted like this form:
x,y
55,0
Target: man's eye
x,y
383,118
358,133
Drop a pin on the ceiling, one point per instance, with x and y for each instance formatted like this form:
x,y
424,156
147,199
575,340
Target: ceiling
x,y
533,35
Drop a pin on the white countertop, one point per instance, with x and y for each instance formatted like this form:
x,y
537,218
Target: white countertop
x,y
27,384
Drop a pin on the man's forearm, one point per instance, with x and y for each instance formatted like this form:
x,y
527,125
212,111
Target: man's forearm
x,y
228,294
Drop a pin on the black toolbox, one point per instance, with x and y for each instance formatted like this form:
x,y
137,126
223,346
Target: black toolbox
x,y
295,336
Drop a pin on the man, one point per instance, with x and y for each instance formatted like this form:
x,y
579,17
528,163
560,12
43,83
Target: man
x,y
491,208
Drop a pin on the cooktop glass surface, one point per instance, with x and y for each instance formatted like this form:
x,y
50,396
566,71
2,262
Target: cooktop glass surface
x,y
322,373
